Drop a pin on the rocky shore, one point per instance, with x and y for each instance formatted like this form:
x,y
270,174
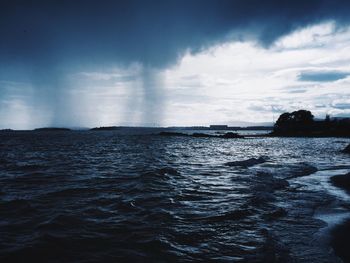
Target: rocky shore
x,y
347,149
342,181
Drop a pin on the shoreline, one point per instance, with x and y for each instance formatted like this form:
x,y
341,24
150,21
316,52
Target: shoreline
x,y
336,234
175,132
172,132
340,233
340,240
332,209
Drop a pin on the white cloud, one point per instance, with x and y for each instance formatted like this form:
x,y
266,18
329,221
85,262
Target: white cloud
x,y
309,37
229,83
255,82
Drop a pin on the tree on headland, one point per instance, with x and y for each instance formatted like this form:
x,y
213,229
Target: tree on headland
x,y
328,118
297,121
327,122
302,123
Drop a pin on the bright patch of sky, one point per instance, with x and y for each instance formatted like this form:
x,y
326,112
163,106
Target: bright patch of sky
x,y
235,83
238,82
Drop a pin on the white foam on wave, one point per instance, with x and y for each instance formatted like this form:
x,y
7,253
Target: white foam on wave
x,y
320,180
334,214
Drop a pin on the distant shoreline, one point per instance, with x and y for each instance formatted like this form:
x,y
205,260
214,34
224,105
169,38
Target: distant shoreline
x,y
175,131
116,128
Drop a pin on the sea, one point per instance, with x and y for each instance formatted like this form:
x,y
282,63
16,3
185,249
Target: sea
x,y
116,196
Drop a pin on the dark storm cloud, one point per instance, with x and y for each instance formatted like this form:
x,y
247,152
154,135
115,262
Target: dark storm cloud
x,y
322,76
41,42
153,32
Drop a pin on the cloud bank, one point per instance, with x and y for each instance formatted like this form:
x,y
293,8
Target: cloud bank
x,y
44,43
153,32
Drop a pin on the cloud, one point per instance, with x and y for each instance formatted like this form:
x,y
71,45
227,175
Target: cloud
x,y
260,83
342,104
236,50
156,32
297,91
308,37
322,76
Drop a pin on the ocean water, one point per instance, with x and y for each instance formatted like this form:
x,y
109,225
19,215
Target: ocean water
x,y
119,197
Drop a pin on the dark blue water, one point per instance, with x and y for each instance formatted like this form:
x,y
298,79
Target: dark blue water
x,y
112,197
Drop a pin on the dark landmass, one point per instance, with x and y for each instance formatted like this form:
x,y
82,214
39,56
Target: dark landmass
x,y
248,162
340,241
342,181
228,135
52,129
6,130
173,134
340,238
347,149
301,123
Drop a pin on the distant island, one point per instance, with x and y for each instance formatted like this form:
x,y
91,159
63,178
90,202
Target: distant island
x,y
301,123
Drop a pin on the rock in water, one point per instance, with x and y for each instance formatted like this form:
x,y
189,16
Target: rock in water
x,y
172,134
230,135
340,241
347,149
248,162
342,181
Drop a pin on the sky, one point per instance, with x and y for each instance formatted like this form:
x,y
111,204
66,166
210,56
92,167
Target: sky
x,y
171,63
